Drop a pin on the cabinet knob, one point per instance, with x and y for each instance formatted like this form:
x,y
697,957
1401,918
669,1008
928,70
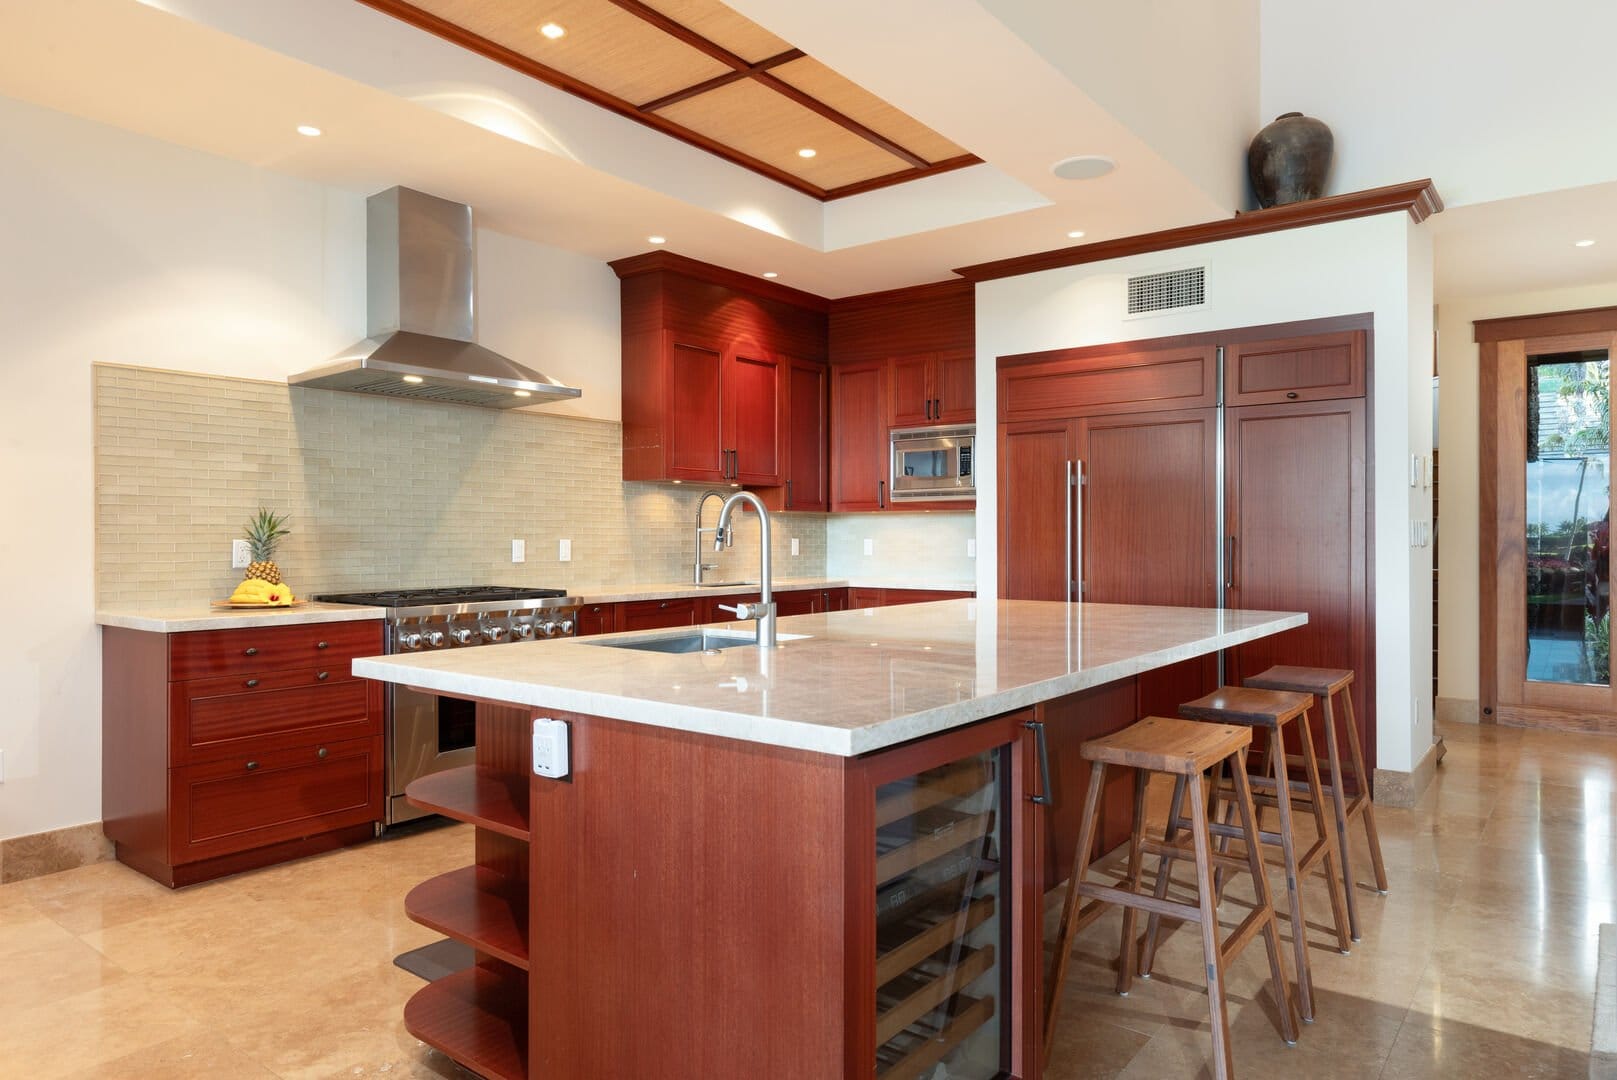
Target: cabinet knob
x,y
323,676
664,604
250,651
251,683
320,644
323,751
251,765
1292,395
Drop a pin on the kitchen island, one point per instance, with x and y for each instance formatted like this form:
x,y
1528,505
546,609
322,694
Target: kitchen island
x,y
828,859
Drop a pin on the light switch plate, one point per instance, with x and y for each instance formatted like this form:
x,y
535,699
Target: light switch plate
x,y
564,551
519,551
550,748
870,546
794,545
241,554
971,548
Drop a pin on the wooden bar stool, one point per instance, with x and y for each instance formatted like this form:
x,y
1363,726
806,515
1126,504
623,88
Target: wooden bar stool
x,y
1326,683
1185,750
1270,710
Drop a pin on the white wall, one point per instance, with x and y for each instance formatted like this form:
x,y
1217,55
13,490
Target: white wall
x,y
1459,567
1379,264
1491,99
121,248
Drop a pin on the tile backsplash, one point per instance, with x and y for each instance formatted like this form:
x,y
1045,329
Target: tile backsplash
x,y
381,493
915,546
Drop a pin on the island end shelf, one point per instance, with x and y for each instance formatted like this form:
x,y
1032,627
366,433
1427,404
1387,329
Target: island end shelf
x,y
709,907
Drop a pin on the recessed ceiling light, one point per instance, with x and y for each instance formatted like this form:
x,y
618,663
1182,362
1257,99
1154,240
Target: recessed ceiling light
x,y
656,239
1584,243
770,274
552,31
523,393
308,129
807,152
412,378
1083,167
1075,234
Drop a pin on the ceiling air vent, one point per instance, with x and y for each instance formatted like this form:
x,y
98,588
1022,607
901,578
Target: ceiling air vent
x,y
1167,290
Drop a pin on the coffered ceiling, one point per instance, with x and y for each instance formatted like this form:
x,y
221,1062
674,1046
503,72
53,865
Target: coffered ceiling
x,y
703,73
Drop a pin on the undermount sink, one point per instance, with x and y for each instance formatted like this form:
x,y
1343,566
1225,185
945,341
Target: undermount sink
x,y
726,585
694,641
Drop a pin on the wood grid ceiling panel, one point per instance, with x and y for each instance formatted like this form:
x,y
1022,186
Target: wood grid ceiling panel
x,y
605,46
759,122
853,100
723,26
701,72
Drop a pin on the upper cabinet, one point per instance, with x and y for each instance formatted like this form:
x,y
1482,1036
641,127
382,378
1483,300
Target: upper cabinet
x,y
808,436
1317,368
933,388
708,363
900,359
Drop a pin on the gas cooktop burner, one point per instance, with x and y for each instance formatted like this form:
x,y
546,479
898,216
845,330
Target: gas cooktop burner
x,y
466,594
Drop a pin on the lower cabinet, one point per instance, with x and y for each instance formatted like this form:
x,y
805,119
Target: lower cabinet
x,y
863,598
596,619
657,614
276,753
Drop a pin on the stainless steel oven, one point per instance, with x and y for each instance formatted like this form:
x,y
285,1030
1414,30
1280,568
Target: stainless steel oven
x,y
933,463
425,733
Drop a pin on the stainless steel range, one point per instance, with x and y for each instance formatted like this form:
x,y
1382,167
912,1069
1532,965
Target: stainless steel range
x,y
425,733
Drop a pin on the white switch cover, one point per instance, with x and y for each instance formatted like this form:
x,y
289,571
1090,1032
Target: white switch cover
x,y
2,766
550,747
794,545
241,554
971,548
519,551
564,551
870,546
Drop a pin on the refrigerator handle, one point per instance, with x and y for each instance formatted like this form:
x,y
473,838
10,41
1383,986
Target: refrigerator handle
x,y
1229,562
1068,519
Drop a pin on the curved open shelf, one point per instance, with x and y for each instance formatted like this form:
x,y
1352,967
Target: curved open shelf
x,y
477,906
478,1016
469,794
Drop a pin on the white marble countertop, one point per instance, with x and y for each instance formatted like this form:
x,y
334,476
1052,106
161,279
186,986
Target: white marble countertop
x,y
182,618
845,682
670,590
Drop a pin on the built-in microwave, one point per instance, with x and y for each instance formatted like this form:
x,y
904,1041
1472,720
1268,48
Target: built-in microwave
x,y
934,463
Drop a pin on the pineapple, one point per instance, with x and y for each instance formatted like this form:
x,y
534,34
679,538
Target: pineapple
x,y
263,533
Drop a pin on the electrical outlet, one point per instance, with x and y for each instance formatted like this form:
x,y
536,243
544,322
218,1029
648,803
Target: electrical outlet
x,y
519,551
870,546
564,551
241,554
794,545
971,548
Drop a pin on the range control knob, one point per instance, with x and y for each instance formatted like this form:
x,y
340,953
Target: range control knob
x,y
494,633
462,635
523,631
435,639
566,628
410,641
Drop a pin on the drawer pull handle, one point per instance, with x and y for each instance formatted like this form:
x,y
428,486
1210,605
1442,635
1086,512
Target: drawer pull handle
x,y
663,604
1292,396
323,751
323,676
320,644
251,765
251,683
250,651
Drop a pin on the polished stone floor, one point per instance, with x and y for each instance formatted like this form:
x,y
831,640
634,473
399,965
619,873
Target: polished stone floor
x,y
1479,963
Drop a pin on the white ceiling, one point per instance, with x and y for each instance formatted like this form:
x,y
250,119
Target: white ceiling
x,y
1167,89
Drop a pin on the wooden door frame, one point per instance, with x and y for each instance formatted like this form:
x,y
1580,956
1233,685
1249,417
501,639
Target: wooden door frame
x,y
1489,334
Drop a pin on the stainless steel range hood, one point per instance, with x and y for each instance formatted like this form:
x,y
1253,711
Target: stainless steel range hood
x,y
420,264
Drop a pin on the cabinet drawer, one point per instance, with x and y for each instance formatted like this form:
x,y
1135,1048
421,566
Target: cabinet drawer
x,y
255,714
203,653
596,619
656,614
246,802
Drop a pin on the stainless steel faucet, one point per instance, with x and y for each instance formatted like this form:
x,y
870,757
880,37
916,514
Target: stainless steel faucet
x,y
764,609
701,506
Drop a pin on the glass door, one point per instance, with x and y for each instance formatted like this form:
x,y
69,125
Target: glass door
x,y
1554,509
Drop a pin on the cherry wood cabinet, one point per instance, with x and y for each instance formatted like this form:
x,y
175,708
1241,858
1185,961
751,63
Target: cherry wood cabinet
x,y
707,374
657,614
859,437
867,597
808,433
1317,367
224,750
596,619
932,388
